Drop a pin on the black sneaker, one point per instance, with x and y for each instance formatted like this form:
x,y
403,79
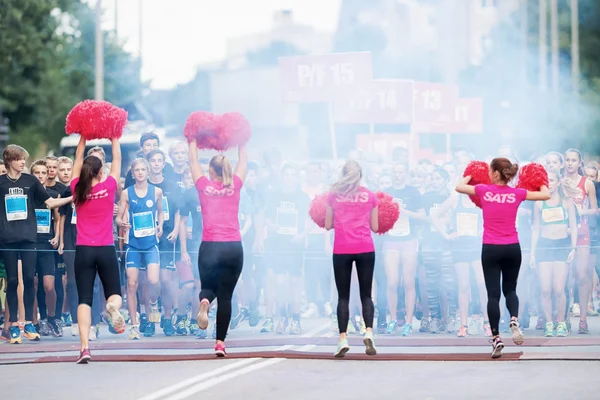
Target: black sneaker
x,y
168,328
143,323
44,328
55,327
497,347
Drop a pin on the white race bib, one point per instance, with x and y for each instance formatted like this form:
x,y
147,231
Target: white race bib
x,y
165,207
555,214
467,224
44,220
16,207
143,224
287,219
74,215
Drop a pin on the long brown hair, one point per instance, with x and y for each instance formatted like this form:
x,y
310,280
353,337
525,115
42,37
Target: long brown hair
x,y
222,168
349,182
505,168
90,169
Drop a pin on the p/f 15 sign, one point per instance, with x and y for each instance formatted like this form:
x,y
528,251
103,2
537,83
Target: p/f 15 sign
x,y
312,79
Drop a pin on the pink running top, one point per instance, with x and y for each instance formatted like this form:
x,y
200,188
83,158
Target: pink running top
x,y
220,208
352,221
500,204
95,216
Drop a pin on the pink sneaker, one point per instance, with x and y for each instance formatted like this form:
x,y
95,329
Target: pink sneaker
x,y
220,350
84,356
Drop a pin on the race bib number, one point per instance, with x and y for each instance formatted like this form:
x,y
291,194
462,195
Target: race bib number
x,y
287,219
467,224
16,207
550,215
44,221
74,215
143,224
165,207
402,226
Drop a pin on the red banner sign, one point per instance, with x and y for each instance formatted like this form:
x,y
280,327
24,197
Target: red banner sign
x,y
308,79
468,116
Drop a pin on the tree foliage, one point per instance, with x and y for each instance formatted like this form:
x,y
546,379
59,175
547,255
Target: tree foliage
x,y
47,65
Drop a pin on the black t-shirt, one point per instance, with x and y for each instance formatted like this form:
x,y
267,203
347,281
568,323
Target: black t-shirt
x,y
18,222
409,199
171,203
70,229
191,207
58,189
289,212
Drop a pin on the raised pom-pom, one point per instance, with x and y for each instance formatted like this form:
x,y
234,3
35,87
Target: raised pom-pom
x,y
389,212
203,126
480,174
532,177
318,208
234,129
96,120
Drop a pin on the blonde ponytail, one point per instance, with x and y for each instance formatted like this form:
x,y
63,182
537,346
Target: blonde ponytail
x,y
222,168
349,182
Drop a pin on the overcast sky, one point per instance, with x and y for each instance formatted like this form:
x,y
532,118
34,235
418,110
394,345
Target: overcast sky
x,y
179,35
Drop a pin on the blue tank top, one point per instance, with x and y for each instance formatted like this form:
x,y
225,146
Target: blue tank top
x,y
142,212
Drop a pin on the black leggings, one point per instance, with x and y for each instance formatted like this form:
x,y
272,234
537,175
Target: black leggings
x,y
220,265
501,261
11,262
90,260
342,270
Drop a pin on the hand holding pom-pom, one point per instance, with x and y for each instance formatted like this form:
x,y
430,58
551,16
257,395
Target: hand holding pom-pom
x,y
532,177
318,209
96,120
479,171
388,212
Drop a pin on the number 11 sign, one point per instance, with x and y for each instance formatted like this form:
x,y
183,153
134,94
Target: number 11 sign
x,y
314,79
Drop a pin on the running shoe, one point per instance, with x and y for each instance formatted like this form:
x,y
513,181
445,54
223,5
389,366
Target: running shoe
x,y
168,329
55,327
476,324
369,344
561,330
342,348
193,328
154,315
143,322
540,324
84,356
150,329
451,325
497,347
44,328
180,327
220,350
134,332
268,326
14,334
549,331
67,320
282,326
296,328
391,327
381,327
434,327
93,333
201,334
517,335
237,320
576,310
425,326
30,333
202,317
407,330
583,328
327,310
117,320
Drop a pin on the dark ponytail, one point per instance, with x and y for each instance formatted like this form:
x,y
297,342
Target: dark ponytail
x,y
90,169
505,168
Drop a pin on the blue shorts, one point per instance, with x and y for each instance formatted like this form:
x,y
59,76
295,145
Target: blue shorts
x,y
136,258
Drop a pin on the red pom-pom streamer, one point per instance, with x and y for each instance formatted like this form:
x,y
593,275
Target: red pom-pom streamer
x,y
234,129
96,120
532,177
389,212
480,174
217,132
318,208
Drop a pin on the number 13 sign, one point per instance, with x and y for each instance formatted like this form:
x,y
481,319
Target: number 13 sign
x,y
434,102
308,79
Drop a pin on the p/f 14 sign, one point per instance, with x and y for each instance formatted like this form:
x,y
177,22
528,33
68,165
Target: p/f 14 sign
x,y
311,79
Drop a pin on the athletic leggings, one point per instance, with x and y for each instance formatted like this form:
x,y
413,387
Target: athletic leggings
x,y
342,270
90,260
11,263
220,265
501,261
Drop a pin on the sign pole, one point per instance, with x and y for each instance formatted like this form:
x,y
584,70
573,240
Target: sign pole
x,y
448,147
332,131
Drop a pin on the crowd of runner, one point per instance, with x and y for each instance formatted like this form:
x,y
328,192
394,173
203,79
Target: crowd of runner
x,y
428,273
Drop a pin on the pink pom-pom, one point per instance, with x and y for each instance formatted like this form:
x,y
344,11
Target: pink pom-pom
x,y
532,177
318,208
389,212
96,120
480,174
203,126
234,130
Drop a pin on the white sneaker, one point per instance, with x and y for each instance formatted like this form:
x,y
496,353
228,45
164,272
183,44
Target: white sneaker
x,y
93,335
311,312
517,335
328,309
74,330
